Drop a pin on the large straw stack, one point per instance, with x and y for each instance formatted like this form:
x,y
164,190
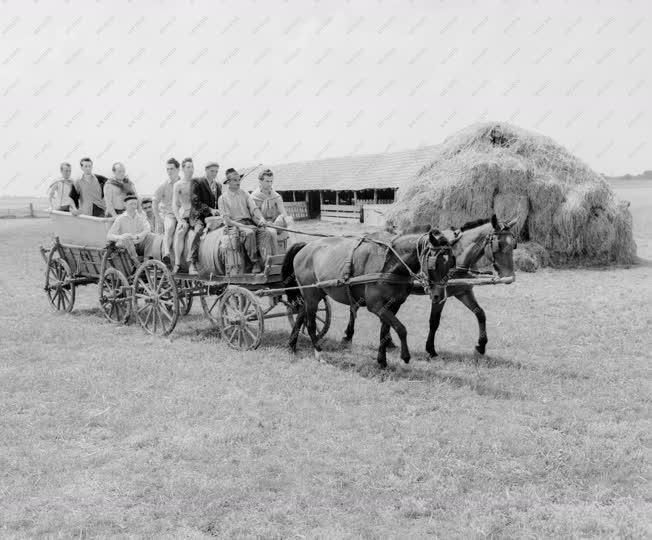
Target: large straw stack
x,y
561,203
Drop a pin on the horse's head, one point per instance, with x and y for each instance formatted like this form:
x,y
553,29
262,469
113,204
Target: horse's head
x,y
499,247
437,263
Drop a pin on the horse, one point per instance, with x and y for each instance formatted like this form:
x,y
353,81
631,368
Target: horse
x,y
390,264
472,241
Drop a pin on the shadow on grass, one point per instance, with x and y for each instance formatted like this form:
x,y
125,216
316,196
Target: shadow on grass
x,y
348,359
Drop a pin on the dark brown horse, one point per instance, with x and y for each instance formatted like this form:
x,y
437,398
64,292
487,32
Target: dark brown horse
x,y
484,240
395,262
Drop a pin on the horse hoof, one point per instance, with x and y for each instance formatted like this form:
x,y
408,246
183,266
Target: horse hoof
x,y
480,349
319,357
432,355
345,342
406,360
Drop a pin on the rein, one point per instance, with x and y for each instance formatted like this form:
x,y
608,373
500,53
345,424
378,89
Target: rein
x,y
422,254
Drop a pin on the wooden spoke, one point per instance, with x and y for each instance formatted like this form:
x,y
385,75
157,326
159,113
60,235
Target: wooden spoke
x,y
155,288
240,318
115,297
322,319
59,288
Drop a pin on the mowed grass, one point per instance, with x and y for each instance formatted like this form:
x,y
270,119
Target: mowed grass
x,y
108,432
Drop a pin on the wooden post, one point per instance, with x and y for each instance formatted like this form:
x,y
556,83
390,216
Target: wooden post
x,y
355,198
375,196
294,196
31,210
321,197
337,197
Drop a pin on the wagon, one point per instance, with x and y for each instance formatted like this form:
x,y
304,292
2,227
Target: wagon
x,y
155,297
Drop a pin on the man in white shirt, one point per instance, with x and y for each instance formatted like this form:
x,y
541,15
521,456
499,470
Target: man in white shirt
x,y
131,230
59,190
88,191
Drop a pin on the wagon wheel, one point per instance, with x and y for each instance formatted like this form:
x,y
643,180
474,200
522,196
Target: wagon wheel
x,y
185,297
240,319
58,285
155,298
322,318
115,296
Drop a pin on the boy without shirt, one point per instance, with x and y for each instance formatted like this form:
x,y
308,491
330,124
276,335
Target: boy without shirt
x,y
181,204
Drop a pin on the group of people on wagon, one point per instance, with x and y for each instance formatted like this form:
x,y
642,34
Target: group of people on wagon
x,y
182,206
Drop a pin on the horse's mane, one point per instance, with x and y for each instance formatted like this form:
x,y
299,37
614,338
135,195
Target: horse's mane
x,y
414,229
473,224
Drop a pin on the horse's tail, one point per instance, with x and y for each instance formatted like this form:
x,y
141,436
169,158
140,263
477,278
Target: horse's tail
x,y
287,272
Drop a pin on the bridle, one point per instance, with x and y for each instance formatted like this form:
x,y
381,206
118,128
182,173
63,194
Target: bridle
x,y
489,247
425,251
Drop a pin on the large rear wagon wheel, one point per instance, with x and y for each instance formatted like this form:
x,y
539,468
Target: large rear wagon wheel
x,y
240,318
115,296
322,318
155,298
59,287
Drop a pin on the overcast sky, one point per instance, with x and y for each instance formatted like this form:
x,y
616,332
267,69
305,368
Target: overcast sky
x,y
244,82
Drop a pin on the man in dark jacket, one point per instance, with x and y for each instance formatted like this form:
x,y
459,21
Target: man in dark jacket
x,y
88,192
204,194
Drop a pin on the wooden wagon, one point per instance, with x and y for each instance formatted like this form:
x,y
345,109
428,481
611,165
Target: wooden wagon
x,y
154,296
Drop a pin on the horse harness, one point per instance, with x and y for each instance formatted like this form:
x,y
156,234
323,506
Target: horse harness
x,y
487,247
424,252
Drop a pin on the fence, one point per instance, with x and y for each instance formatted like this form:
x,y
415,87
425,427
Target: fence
x,y
298,210
340,212
23,212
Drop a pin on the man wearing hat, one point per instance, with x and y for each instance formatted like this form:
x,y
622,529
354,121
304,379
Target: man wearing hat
x,y
244,221
204,194
131,230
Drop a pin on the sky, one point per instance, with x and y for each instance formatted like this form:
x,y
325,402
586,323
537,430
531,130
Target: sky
x,y
252,81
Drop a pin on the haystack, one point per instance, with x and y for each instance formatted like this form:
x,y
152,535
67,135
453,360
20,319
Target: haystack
x,y
561,203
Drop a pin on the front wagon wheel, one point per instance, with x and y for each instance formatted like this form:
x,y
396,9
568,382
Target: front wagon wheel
x,y
155,298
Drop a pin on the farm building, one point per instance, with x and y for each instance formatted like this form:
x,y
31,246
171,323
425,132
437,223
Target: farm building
x,y
348,188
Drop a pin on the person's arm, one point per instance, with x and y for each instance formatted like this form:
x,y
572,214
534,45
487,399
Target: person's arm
x,y
256,214
176,202
74,196
281,206
144,226
114,232
222,208
109,190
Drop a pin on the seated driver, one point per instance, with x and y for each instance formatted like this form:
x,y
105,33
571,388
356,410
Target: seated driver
x,y
243,219
131,230
273,210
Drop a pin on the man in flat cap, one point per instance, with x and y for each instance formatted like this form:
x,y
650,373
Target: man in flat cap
x,y
204,194
131,230
245,223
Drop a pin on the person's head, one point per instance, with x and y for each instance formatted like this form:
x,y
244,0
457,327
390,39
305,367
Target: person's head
x,y
173,169
66,170
146,205
211,171
266,179
131,205
86,165
119,171
188,168
233,179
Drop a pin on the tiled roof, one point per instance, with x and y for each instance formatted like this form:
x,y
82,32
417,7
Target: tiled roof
x,y
369,171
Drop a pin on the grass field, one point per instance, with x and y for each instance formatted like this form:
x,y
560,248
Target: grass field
x,y
107,432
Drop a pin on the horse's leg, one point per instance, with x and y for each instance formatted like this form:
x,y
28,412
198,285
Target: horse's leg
x,y
435,317
350,328
294,335
387,315
311,305
468,299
